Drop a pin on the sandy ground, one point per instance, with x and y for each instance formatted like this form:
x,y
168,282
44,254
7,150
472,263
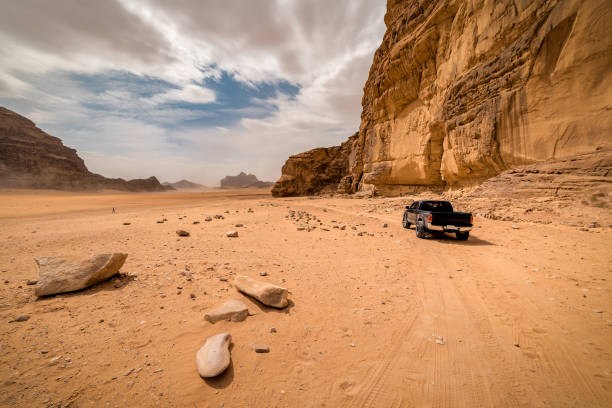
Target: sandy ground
x,y
511,317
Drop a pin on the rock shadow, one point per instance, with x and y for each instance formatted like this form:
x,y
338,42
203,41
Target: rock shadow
x,y
268,309
224,379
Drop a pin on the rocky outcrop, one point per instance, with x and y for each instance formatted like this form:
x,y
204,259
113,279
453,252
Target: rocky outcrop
x,y
30,158
461,91
243,180
316,171
56,275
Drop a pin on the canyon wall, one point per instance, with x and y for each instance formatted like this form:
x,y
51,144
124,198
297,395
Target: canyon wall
x,y
460,91
30,158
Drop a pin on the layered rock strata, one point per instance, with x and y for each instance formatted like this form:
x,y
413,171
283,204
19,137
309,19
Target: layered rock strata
x,y
461,91
30,158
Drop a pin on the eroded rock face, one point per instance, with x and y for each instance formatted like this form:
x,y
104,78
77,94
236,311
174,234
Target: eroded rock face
x,y
30,158
461,91
315,171
266,293
56,275
214,356
232,310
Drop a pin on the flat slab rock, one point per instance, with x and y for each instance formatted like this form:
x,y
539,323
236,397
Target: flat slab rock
x,y
57,275
266,293
232,310
214,356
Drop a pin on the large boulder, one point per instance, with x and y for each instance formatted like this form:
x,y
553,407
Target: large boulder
x,y
214,356
266,293
56,275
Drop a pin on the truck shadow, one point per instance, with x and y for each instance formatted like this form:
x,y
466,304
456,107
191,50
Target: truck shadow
x,y
450,239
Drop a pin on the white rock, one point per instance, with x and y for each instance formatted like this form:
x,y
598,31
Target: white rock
x,y
266,293
214,356
56,275
232,310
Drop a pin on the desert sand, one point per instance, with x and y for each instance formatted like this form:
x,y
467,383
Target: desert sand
x,y
518,315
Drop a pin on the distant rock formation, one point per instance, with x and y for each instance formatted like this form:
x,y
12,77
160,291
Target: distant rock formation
x,y
184,185
244,180
461,91
30,158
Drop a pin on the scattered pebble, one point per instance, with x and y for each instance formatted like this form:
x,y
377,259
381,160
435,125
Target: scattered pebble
x,y
182,233
232,234
21,318
261,348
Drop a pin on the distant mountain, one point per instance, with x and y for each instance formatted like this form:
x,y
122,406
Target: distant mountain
x,y
184,185
30,158
244,180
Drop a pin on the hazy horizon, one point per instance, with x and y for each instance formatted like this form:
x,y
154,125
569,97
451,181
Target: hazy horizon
x,y
190,89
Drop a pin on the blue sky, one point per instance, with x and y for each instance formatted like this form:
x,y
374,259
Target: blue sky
x,y
192,89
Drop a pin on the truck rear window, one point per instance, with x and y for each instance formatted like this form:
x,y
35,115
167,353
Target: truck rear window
x,y
436,206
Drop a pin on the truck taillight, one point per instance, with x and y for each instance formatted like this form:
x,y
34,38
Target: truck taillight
x,y
429,217
471,219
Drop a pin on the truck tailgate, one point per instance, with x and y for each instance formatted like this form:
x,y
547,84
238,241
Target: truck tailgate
x,y
459,219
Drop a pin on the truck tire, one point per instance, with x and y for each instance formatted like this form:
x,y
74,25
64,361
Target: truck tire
x,y
405,223
462,236
420,230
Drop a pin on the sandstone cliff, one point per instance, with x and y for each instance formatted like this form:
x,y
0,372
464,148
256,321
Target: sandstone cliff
x,y
460,91
30,158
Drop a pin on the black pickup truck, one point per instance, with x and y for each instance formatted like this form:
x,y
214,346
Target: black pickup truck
x,y
437,216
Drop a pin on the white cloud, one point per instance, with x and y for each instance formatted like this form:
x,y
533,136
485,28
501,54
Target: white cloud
x,y
324,46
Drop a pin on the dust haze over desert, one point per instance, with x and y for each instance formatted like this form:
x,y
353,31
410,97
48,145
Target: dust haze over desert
x,y
306,203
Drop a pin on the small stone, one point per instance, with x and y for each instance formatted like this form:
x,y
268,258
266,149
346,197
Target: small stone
x,y
598,311
516,227
232,234
21,318
54,360
159,370
263,273
208,219
272,329
223,279
31,282
261,348
196,222
517,345
182,233
239,225
192,296
126,223
385,225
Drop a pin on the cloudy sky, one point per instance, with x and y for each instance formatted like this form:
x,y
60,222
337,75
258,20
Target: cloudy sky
x,y
194,89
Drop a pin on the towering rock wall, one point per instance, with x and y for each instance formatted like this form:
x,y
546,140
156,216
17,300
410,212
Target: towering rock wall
x,y
30,158
462,90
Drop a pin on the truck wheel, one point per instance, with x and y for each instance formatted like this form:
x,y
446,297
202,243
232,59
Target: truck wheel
x,y
462,236
420,230
405,223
